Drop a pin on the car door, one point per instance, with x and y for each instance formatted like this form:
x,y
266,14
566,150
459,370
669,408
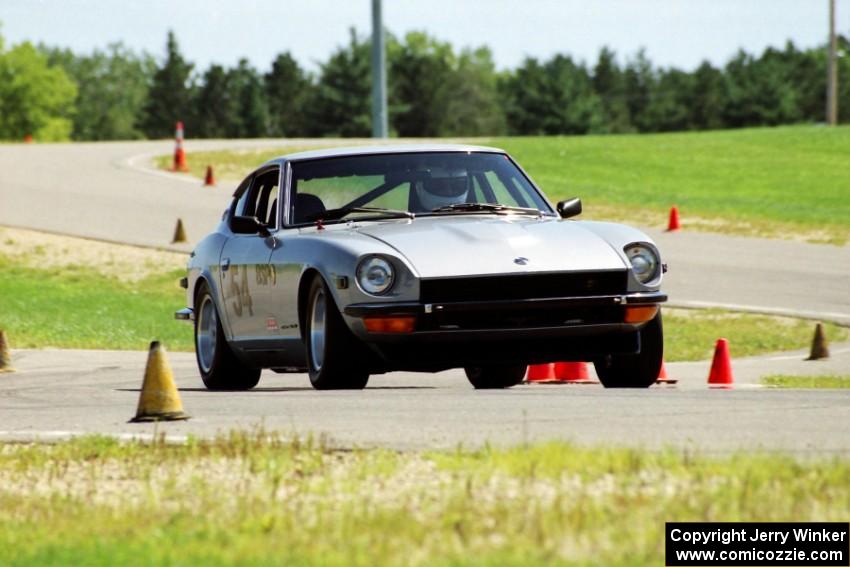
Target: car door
x,y
245,274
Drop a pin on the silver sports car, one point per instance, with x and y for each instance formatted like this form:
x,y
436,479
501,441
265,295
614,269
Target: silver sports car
x,y
351,262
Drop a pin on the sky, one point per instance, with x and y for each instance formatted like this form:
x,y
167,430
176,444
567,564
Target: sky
x,y
679,33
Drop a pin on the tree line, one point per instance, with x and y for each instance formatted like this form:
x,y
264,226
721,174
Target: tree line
x,y
434,90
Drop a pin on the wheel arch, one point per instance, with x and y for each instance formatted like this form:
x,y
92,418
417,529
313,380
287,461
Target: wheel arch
x,y
307,277
206,278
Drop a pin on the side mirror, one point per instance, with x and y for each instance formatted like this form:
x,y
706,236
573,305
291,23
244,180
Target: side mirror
x,y
248,225
569,208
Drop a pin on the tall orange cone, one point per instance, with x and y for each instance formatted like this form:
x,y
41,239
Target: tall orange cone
x,y
5,357
721,367
820,348
179,233
209,178
541,373
663,378
179,155
28,139
573,373
673,225
159,400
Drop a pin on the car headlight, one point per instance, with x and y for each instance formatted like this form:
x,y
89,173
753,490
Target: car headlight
x,y
644,262
375,275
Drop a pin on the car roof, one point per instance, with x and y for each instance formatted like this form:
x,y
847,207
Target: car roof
x,y
384,149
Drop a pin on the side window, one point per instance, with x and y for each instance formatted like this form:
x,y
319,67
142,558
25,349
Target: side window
x,y
243,200
260,200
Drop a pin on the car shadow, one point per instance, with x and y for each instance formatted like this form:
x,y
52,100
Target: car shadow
x,y
284,389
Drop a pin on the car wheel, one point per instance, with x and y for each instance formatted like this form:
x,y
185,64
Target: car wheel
x,y
334,357
219,367
492,377
635,370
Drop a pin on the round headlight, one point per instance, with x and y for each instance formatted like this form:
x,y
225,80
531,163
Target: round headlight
x,y
644,262
375,275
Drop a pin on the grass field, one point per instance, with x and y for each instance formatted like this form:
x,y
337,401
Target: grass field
x,y
255,499
789,182
825,381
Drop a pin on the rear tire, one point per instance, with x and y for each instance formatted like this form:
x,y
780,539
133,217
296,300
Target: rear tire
x,y
494,377
219,367
635,370
335,358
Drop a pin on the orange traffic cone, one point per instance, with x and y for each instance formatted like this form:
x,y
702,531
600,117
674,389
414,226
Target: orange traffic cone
x,y
541,373
28,139
209,178
179,154
179,233
820,347
663,378
673,225
5,357
573,373
721,367
158,400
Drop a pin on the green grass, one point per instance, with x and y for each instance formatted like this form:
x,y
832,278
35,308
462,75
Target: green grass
x,y
691,334
787,182
259,499
772,181
825,381
73,307
231,165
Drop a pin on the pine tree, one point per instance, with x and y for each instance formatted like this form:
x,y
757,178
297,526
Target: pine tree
x,y
169,98
609,85
342,105
288,91
217,108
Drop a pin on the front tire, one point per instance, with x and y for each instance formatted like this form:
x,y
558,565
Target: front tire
x,y
635,370
494,377
335,359
219,367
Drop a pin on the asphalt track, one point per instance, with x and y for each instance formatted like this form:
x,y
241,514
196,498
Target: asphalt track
x,y
59,393
105,191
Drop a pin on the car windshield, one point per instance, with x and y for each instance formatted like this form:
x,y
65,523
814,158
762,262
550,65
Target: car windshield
x,y
392,185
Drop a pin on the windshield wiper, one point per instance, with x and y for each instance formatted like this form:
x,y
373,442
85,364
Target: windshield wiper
x,y
494,207
336,214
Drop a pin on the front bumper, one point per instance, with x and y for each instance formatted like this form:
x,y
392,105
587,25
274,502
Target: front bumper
x,y
561,315
533,331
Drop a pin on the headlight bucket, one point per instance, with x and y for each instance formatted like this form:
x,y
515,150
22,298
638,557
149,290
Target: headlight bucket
x,y
375,275
645,262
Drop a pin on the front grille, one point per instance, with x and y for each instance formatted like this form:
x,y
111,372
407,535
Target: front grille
x,y
523,286
524,319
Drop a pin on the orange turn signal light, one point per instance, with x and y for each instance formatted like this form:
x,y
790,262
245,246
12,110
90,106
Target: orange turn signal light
x,y
389,324
640,313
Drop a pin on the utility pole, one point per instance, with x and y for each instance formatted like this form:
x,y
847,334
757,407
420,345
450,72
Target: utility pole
x,y
379,74
832,72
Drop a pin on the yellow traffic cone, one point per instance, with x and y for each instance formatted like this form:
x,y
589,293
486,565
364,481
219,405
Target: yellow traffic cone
x,y
820,348
5,357
179,233
159,400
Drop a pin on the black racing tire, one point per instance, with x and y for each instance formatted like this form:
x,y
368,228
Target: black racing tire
x,y
219,367
635,370
494,377
335,357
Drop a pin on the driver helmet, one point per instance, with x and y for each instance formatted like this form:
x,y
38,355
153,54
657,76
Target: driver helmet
x,y
441,187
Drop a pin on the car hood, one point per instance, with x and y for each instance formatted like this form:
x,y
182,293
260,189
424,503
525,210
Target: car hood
x,y
445,246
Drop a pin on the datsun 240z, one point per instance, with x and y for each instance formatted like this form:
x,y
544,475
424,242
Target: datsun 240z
x,y
351,262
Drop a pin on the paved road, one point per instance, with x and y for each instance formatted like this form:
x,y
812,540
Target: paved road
x,y
56,393
104,191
